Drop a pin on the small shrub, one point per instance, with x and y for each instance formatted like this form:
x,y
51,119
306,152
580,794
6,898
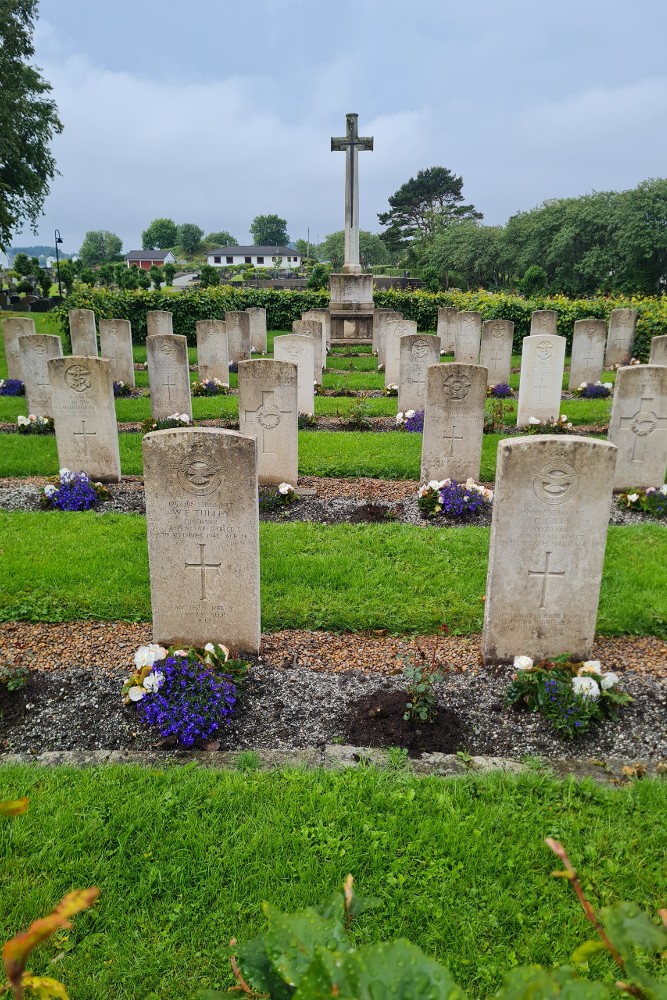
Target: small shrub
x,y
499,417
175,420
307,421
270,500
210,387
34,425
187,694
570,695
71,491
453,500
358,417
121,389
594,390
422,672
11,387
13,677
411,421
652,500
559,425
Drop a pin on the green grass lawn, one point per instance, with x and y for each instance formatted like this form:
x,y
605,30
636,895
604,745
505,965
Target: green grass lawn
x,y
183,858
59,567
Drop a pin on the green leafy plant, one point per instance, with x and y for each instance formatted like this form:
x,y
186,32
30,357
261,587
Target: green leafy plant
x,y
13,677
421,673
498,419
358,416
307,421
570,695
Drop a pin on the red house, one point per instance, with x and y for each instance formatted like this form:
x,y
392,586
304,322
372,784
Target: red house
x,y
146,258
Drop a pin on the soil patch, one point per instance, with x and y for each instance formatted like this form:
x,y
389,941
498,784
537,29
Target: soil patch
x,y
377,721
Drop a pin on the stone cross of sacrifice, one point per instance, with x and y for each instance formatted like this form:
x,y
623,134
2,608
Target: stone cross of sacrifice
x,y
350,144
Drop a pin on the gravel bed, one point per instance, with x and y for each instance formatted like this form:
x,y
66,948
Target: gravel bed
x,y
80,709
338,501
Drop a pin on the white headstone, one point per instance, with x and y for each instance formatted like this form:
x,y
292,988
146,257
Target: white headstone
x,y
394,329
36,349
300,351
212,351
313,328
168,375
268,410
588,341
82,406
116,345
159,323
542,364
550,517
468,337
12,329
638,426
257,316
620,337
238,335
82,332
658,354
496,351
202,521
322,316
416,352
544,321
447,328
453,422
381,317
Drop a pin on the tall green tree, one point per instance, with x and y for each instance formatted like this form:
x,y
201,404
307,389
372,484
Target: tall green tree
x,y
29,121
424,205
189,236
269,231
160,234
221,239
372,250
100,246
471,250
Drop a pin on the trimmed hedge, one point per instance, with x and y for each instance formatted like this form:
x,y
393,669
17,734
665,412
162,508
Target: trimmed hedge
x,y
283,307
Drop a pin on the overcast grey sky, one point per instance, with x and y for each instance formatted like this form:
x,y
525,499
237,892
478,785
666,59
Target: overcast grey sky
x,y
216,111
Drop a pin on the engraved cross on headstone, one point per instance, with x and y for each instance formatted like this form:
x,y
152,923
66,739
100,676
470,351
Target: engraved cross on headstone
x,y
452,438
545,574
350,144
84,433
541,387
43,385
169,385
418,379
642,423
202,566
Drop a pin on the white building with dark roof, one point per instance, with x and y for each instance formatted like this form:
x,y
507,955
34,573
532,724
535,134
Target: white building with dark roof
x,y
283,257
146,258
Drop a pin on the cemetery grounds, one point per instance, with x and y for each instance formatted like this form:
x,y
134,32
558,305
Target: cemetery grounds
x,y
184,851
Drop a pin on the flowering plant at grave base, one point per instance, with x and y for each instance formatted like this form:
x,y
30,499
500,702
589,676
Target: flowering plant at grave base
x,y
71,491
166,423
317,388
307,421
270,499
451,499
11,387
210,387
500,391
390,390
233,366
559,425
499,418
411,421
186,693
380,368
652,500
624,364
121,389
570,695
34,425
594,390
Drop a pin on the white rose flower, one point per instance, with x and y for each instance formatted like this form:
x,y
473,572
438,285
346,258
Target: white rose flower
x,y
583,385
136,693
633,497
522,663
209,647
586,687
608,680
409,414
285,488
590,667
399,418
153,681
533,420
32,418
22,421
434,484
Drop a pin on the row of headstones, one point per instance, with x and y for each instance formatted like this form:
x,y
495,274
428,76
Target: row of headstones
x,y
489,343
550,517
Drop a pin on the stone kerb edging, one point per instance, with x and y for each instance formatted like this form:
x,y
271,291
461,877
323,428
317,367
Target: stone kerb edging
x,y
340,756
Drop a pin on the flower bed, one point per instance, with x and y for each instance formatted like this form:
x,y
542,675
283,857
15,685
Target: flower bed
x,y
453,500
71,491
652,500
11,387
